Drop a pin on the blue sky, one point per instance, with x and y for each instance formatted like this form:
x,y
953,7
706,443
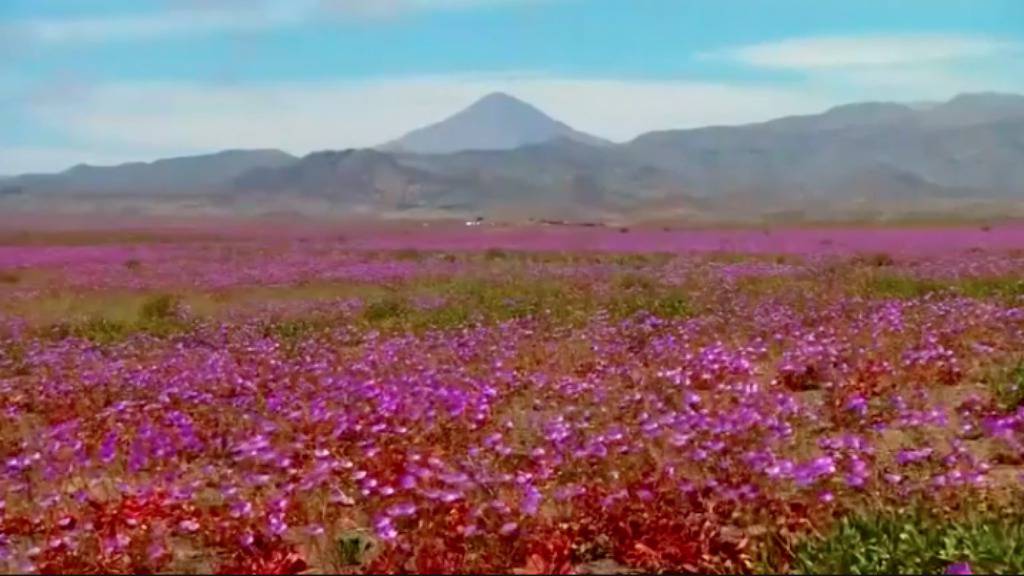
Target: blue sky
x,y
106,81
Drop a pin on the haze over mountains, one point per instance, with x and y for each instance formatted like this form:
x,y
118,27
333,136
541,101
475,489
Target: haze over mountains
x,y
504,157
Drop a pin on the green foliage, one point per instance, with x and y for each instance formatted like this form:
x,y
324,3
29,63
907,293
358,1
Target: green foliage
x,y
903,287
442,318
636,293
388,308
355,548
159,308
97,329
290,332
637,282
1008,386
160,315
1005,288
671,305
514,299
916,541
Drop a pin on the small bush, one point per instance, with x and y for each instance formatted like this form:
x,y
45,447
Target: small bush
x,y
9,277
1007,288
1008,387
98,330
916,542
160,308
672,305
903,287
386,309
355,549
133,264
445,317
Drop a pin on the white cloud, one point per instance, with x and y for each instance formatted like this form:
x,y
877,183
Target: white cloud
x,y
191,18
149,26
832,52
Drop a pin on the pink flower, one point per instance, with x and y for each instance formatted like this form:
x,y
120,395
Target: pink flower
x,y
959,568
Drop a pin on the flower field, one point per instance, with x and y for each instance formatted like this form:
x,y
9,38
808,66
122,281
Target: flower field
x,y
776,401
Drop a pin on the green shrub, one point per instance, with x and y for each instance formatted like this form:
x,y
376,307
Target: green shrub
x,y
388,308
903,287
635,282
916,542
1006,288
97,329
1008,386
159,308
671,305
446,317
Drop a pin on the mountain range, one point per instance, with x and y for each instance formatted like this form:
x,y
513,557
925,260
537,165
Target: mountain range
x,y
502,156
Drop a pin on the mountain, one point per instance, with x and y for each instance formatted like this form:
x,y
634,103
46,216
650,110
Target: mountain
x,y
366,178
495,122
973,109
972,145
191,174
504,157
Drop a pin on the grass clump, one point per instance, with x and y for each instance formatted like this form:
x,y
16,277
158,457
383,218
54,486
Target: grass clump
x,y
901,287
635,293
1004,288
160,315
159,308
916,541
96,329
389,308
1008,386
156,315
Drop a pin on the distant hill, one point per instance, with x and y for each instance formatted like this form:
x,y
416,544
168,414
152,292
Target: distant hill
x,y
502,156
495,122
168,176
367,178
972,145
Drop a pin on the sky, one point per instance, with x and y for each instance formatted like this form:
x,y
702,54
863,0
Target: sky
x,y
109,81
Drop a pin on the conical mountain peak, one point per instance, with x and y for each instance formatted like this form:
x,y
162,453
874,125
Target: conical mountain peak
x,y
498,121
